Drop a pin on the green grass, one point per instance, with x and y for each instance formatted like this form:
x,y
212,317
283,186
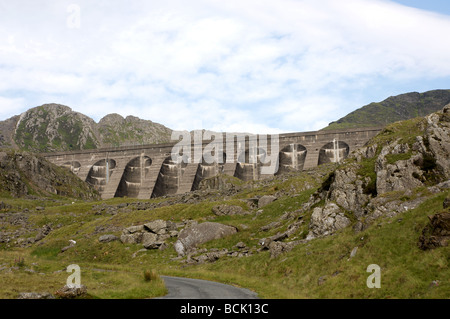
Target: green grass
x,y
393,158
114,270
393,109
109,271
102,281
406,271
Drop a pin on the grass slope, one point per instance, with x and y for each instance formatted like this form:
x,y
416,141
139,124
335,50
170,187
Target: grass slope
x,y
394,109
110,271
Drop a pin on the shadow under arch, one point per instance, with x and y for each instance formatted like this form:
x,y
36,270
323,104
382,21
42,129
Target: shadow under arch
x,y
333,152
100,173
249,164
169,177
292,158
135,172
207,170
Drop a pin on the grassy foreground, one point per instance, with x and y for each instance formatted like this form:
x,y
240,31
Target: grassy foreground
x,y
322,268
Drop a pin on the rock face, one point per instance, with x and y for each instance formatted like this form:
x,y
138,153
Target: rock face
x,y
107,238
446,203
201,233
437,233
266,200
35,295
347,190
22,173
55,127
67,292
227,210
327,220
114,130
415,156
151,235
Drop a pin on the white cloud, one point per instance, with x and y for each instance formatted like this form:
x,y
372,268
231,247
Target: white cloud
x,y
9,105
259,66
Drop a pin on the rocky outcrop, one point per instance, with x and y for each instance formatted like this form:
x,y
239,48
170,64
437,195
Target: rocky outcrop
x,y
327,220
266,200
436,233
23,173
192,236
348,189
446,203
228,210
107,238
399,176
114,130
277,248
67,292
152,235
365,186
53,127
35,295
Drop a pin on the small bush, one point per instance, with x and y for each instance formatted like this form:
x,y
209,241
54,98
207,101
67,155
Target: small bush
x,y
150,275
327,183
371,188
19,262
428,163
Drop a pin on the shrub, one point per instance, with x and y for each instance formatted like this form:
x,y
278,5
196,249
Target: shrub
x,y
150,275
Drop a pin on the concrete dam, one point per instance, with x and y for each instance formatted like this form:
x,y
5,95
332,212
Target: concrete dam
x,y
147,171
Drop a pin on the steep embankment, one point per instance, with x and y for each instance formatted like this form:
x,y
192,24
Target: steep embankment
x,y
54,127
24,174
394,109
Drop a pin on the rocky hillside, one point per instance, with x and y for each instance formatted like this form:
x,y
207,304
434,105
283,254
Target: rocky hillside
x,y
393,174
114,130
396,108
23,174
54,127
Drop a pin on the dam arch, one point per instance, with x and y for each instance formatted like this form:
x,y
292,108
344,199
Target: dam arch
x,y
333,152
135,173
292,158
206,170
249,163
169,177
100,173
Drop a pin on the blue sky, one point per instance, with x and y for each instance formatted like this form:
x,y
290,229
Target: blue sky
x,y
440,6
238,65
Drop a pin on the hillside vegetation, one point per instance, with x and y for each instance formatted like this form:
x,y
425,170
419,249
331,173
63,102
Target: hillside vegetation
x,y
394,109
308,234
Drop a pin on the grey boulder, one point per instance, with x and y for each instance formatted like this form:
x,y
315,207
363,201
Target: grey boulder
x,y
199,234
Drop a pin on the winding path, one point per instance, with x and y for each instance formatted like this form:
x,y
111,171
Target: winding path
x,y
186,288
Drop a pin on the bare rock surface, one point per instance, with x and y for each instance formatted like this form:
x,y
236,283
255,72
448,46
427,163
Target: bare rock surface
x,y
201,233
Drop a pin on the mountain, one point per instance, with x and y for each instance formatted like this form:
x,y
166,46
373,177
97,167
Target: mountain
x,y
55,127
115,130
394,109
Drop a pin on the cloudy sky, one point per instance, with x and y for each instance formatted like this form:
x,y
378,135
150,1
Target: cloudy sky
x,y
255,66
